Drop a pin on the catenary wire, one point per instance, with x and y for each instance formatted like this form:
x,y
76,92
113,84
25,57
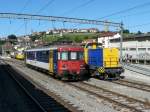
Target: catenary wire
x,y
77,7
40,10
25,5
45,6
126,10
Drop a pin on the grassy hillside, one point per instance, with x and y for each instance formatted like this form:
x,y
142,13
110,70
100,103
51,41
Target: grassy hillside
x,y
76,37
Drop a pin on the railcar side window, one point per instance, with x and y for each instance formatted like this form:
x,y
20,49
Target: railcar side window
x,y
73,55
64,55
42,56
31,55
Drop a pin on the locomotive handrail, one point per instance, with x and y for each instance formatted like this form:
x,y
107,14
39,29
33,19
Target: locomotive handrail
x,y
88,43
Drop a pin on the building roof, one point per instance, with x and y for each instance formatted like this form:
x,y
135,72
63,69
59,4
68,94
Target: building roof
x,y
140,37
107,34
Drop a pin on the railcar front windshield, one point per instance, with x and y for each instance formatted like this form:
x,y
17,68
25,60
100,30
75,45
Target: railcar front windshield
x,y
72,55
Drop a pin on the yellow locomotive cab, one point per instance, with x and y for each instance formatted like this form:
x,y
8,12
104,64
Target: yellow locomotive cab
x,y
111,57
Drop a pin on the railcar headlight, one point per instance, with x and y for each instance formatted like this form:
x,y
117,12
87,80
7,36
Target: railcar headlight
x,y
82,66
64,66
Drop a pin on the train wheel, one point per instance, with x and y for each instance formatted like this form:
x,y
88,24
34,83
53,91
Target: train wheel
x,y
117,76
57,76
101,77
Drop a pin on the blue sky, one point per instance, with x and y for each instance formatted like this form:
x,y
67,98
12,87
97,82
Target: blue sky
x,y
134,20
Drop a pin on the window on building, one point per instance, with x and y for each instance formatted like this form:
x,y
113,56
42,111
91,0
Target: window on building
x,y
132,49
123,49
141,49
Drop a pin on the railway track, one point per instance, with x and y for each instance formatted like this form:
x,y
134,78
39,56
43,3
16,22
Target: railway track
x,y
31,102
137,69
44,102
115,98
133,84
19,62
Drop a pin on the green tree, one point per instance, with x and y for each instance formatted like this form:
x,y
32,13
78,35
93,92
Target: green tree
x,y
12,38
78,39
126,31
34,37
139,32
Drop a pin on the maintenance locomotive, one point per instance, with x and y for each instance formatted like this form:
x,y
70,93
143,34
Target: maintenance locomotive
x,y
103,62
65,62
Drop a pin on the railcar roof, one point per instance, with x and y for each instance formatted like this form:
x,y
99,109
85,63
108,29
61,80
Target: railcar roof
x,y
51,47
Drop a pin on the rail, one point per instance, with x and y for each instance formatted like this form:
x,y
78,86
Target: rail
x,y
137,69
45,102
120,100
133,84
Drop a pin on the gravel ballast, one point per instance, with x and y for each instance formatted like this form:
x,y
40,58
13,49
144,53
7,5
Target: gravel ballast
x,y
83,100
80,99
124,90
130,75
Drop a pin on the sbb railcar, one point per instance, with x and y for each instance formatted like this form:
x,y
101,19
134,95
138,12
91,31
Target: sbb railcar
x,y
103,62
64,62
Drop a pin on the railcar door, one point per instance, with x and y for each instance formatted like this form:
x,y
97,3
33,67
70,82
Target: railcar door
x,y
51,61
55,59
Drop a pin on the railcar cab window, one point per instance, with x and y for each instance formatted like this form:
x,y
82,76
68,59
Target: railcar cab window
x,y
80,55
76,55
64,55
73,55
